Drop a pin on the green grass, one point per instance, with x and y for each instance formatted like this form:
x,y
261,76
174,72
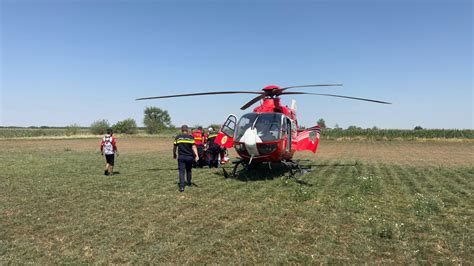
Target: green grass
x,y
56,207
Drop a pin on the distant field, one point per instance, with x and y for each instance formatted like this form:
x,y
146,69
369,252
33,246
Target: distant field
x,y
404,134
332,134
369,201
9,133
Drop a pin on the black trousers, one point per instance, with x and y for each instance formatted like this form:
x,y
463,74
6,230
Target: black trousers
x,y
212,157
185,165
202,156
202,160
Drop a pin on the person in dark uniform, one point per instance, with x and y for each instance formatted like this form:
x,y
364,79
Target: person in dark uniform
x,y
187,155
213,149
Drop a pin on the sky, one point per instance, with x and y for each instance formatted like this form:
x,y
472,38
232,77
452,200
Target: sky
x,y
66,62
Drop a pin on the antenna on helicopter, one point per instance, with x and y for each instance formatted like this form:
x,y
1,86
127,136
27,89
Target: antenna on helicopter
x,y
293,104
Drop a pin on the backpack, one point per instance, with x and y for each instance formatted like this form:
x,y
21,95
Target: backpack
x,y
108,146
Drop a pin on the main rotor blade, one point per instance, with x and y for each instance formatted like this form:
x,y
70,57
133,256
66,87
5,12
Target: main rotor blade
x,y
254,100
339,96
201,93
315,85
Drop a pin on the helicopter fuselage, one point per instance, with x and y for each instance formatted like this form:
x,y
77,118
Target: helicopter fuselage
x,y
268,134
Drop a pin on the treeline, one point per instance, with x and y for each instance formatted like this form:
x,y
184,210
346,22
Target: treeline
x,y
158,121
333,133
374,133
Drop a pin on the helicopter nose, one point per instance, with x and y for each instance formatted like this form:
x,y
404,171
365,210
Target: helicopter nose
x,y
250,139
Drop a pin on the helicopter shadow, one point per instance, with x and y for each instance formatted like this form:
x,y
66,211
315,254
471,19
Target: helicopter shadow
x,y
264,172
329,165
310,164
162,169
259,173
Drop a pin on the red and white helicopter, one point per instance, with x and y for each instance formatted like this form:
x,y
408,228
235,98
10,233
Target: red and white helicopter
x,y
270,133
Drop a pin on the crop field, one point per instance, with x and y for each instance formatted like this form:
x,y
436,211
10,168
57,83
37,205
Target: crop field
x,y
363,201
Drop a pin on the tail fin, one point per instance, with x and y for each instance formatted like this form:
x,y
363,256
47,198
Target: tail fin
x,y
308,139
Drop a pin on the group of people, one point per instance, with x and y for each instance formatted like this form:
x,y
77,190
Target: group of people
x,y
196,149
210,153
192,149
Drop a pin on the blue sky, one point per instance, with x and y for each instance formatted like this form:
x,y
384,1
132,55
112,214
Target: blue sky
x,y
65,62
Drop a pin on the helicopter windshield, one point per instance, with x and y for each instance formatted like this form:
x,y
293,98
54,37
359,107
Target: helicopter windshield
x,y
268,125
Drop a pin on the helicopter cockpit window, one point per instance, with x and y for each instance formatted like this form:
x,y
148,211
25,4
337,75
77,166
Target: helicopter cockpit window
x,y
228,127
245,122
268,125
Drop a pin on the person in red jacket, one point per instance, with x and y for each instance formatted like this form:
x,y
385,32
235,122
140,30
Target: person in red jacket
x,y
108,147
199,141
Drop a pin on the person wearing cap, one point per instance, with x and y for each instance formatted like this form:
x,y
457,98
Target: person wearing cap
x,y
185,145
108,147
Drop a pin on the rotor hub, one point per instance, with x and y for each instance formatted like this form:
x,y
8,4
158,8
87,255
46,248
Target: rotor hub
x,y
272,91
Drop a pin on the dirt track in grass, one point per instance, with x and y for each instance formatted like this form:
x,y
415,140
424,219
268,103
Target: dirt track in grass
x,y
397,152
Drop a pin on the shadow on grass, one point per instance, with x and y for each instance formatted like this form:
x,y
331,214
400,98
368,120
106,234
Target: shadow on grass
x,y
264,172
333,165
259,172
175,169
309,163
162,169
275,173
192,184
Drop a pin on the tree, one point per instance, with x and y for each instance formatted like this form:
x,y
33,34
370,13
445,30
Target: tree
x,y
336,126
353,127
216,127
99,127
127,126
321,123
418,128
197,126
72,129
156,119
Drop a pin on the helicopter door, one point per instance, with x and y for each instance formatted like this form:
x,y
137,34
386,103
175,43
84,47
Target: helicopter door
x,y
225,137
288,134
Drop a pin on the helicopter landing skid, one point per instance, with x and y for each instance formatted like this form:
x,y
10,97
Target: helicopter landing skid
x,y
294,168
237,163
245,164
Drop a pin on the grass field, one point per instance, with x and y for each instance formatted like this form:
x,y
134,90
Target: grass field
x,y
381,201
